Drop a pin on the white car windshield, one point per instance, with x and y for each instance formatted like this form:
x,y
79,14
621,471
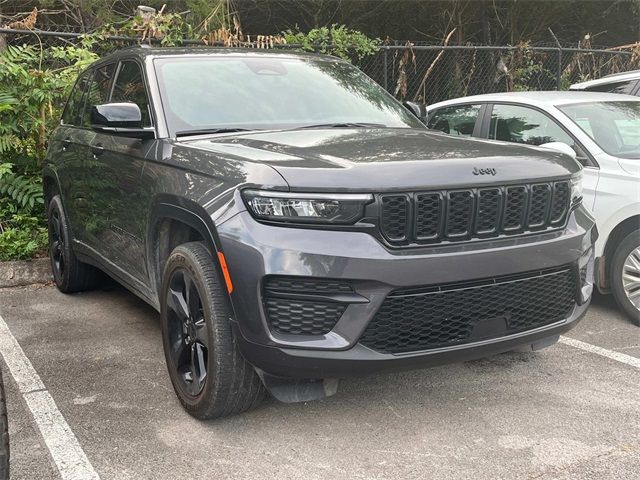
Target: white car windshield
x,y
614,126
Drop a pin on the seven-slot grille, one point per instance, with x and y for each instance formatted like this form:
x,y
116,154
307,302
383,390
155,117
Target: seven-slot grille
x,y
437,316
455,215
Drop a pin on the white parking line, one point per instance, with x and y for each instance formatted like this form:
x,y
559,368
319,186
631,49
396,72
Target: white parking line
x,y
613,355
63,445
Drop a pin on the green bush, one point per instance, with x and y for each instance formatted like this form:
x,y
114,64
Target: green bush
x,y
22,233
335,40
34,85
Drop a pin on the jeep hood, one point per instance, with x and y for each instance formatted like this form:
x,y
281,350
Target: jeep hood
x,y
383,159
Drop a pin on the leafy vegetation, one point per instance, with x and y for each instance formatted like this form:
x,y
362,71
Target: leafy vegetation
x,y
22,236
335,40
22,233
35,81
34,84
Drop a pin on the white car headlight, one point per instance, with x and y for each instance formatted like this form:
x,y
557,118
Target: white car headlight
x,y
576,188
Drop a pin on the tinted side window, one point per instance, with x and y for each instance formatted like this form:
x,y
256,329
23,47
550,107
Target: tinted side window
x,y
512,123
73,109
129,87
619,87
98,92
459,120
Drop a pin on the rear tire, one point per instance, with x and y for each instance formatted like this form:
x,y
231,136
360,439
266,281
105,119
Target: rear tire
x,y
208,373
625,276
70,274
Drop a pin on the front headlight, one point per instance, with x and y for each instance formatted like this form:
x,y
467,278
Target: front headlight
x,y
576,188
306,207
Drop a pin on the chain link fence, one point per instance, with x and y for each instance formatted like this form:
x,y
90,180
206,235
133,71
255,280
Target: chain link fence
x,y
432,73
435,73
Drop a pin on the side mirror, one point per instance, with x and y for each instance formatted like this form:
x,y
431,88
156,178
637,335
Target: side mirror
x,y
119,119
560,147
418,109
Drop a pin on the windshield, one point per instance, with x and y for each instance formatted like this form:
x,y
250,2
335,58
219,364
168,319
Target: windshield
x,y
614,126
239,92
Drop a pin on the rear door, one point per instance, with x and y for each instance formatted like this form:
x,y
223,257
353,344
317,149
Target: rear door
x,y
120,204
530,126
70,150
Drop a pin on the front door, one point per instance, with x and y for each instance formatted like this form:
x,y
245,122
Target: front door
x,y
525,125
121,205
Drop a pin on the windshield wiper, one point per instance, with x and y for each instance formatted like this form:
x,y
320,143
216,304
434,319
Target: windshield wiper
x,y
210,131
344,125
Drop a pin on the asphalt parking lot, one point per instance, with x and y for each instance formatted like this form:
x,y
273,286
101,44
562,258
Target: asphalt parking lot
x,y
565,412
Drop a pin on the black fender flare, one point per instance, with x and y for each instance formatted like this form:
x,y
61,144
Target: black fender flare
x,y
187,212
50,173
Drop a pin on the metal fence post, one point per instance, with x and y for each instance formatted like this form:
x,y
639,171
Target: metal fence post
x,y
559,71
385,82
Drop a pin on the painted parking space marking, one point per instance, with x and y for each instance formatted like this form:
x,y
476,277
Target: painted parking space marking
x,y
70,459
613,355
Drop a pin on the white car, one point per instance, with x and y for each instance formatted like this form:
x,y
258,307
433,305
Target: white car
x,y
624,82
603,133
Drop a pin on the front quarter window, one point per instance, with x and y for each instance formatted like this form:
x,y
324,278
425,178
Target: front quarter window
x,y
130,87
614,126
98,91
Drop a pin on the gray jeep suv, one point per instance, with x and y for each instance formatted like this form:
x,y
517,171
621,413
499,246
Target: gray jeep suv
x,y
294,224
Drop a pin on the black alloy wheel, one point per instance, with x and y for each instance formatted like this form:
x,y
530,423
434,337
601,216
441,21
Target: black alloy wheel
x,y
70,274
209,375
56,244
188,333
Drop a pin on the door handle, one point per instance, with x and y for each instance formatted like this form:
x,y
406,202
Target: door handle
x,y
66,143
97,150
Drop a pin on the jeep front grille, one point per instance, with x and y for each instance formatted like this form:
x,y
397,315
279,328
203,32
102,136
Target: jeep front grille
x,y
465,214
423,318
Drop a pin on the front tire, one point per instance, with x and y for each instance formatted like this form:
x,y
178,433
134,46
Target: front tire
x,y
70,274
625,275
208,373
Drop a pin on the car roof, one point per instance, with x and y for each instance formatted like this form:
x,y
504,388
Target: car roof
x,y
541,99
613,78
143,51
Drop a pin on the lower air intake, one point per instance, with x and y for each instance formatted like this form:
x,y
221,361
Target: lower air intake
x,y
300,305
443,315
302,318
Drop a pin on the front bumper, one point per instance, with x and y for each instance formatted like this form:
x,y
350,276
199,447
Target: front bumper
x,y
254,251
360,360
